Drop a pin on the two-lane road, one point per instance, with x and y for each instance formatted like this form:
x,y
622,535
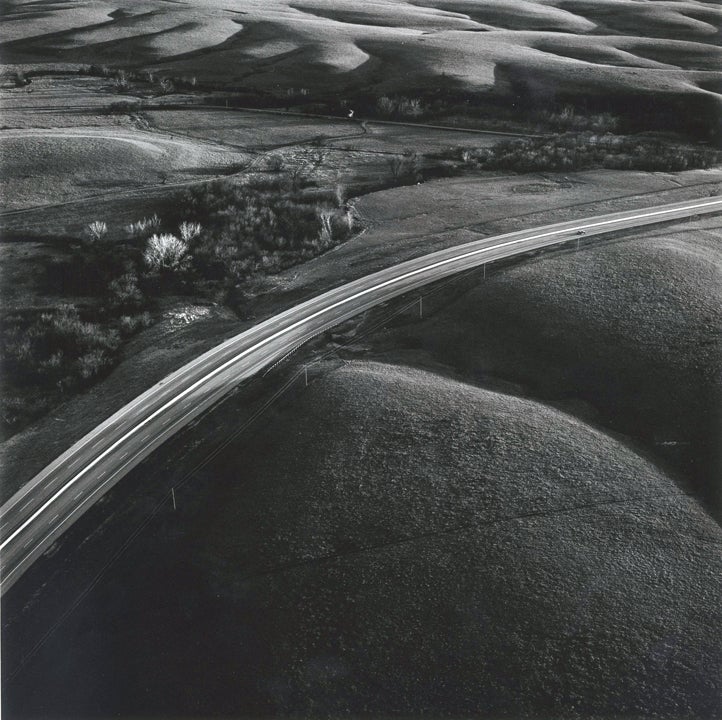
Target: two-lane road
x,y
48,504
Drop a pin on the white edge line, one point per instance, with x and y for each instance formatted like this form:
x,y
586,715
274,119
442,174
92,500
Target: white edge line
x,y
80,505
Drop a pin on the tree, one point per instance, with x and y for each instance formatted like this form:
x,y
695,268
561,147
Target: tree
x,y
97,230
326,233
395,163
165,252
189,231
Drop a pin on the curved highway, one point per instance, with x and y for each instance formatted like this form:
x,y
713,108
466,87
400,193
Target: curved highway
x,y
55,498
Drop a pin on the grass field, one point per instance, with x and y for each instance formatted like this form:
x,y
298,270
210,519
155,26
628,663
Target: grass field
x,y
507,508
572,48
399,226
396,542
652,373
38,165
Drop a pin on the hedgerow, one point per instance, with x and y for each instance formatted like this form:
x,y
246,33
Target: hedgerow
x,y
585,151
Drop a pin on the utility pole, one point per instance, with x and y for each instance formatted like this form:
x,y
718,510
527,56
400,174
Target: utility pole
x,y
421,307
172,492
305,374
484,271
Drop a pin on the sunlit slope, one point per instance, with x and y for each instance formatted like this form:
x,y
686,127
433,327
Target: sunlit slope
x,y
57,165
566,45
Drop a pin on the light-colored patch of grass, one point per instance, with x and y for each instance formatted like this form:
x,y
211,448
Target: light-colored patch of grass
x,y
65,164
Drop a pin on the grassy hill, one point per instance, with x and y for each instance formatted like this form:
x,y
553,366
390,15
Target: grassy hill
x,y
397,542
626,334
623,53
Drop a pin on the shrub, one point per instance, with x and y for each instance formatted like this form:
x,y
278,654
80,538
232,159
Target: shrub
x,y
130,324
189,231
259,228
121,81
386,106
395,163
17,409
46,352
165,252
140,227
20,80
274,163
124,293
406,166
410,107
97,230
582,151
326,233
403,107
92,364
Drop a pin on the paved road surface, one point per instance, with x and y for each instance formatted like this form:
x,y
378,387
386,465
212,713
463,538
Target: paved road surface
x,y
47,505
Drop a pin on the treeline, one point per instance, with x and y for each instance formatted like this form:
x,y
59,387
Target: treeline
x,y
259,228
49,355
123,80
587,150
54,354
514,103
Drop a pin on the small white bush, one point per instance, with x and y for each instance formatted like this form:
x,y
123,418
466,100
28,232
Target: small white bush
x,y
97,230
189,230
165,251
326,233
